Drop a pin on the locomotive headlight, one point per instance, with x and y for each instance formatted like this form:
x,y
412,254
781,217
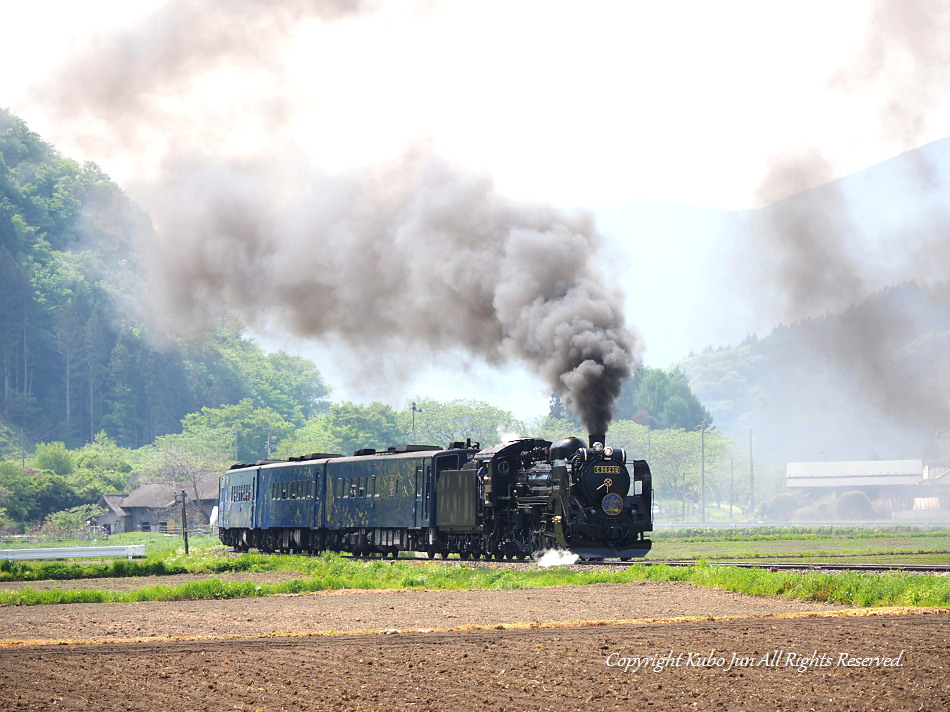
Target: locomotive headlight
x,y
598,447
608,451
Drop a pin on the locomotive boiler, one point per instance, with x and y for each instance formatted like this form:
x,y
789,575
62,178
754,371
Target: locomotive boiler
x,y
512,500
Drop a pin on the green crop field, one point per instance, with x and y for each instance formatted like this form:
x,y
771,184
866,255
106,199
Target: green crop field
x,y
857,545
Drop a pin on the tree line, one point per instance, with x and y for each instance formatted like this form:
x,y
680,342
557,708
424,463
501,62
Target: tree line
x,y
54,478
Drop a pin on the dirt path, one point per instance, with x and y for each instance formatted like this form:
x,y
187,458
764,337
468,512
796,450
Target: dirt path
x,y
526,668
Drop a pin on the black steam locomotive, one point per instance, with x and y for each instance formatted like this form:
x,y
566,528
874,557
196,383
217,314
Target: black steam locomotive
x,y
513,500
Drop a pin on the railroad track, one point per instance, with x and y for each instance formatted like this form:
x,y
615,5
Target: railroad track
x,y
775,566
770,565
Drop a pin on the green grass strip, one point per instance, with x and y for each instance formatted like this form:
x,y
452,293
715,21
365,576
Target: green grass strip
x,y
331,572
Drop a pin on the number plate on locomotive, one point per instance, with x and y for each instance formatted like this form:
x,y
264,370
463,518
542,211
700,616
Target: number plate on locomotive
x,y
606,469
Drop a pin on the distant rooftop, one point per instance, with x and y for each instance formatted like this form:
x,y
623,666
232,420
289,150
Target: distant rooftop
x,y
857,473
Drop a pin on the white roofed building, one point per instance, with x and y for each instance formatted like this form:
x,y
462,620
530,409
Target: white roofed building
x,y
856,474
908,485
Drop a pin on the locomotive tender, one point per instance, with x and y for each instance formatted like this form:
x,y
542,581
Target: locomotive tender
x,y
512,500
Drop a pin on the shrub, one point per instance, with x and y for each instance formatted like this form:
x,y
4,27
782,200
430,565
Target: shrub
x,y
855,505
780,507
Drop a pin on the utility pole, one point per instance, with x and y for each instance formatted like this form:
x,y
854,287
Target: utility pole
x,y
732,480
414,411
751,478
702,497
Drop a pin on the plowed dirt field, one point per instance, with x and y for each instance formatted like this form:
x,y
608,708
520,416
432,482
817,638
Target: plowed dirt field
x,y
603,647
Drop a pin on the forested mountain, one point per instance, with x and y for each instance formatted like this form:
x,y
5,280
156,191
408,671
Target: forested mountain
x,y
870,382
76,355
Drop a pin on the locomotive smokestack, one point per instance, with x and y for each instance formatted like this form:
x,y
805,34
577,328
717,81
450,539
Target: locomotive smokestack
x,y
597,438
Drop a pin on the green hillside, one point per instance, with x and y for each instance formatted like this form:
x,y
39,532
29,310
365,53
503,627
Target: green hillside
x,y
870,382
76,354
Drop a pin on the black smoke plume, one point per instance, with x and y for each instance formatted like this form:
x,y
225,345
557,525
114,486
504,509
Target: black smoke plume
x,y
413,260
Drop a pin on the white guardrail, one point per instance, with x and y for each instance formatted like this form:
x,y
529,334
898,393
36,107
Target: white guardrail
x,y
75,552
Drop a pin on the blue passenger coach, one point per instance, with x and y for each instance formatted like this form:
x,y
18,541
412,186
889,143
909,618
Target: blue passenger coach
x,y
369,502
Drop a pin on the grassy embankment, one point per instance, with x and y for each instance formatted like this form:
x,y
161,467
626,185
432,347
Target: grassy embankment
x,y
331,571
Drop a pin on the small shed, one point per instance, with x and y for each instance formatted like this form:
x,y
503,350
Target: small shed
x,y
113,518
150,507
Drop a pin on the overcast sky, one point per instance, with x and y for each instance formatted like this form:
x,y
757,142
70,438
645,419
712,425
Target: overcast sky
x,y
658,116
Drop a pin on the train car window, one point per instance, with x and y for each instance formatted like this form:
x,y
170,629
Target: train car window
x,y
425,487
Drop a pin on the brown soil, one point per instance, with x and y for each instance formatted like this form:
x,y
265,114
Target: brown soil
x,y
534,649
